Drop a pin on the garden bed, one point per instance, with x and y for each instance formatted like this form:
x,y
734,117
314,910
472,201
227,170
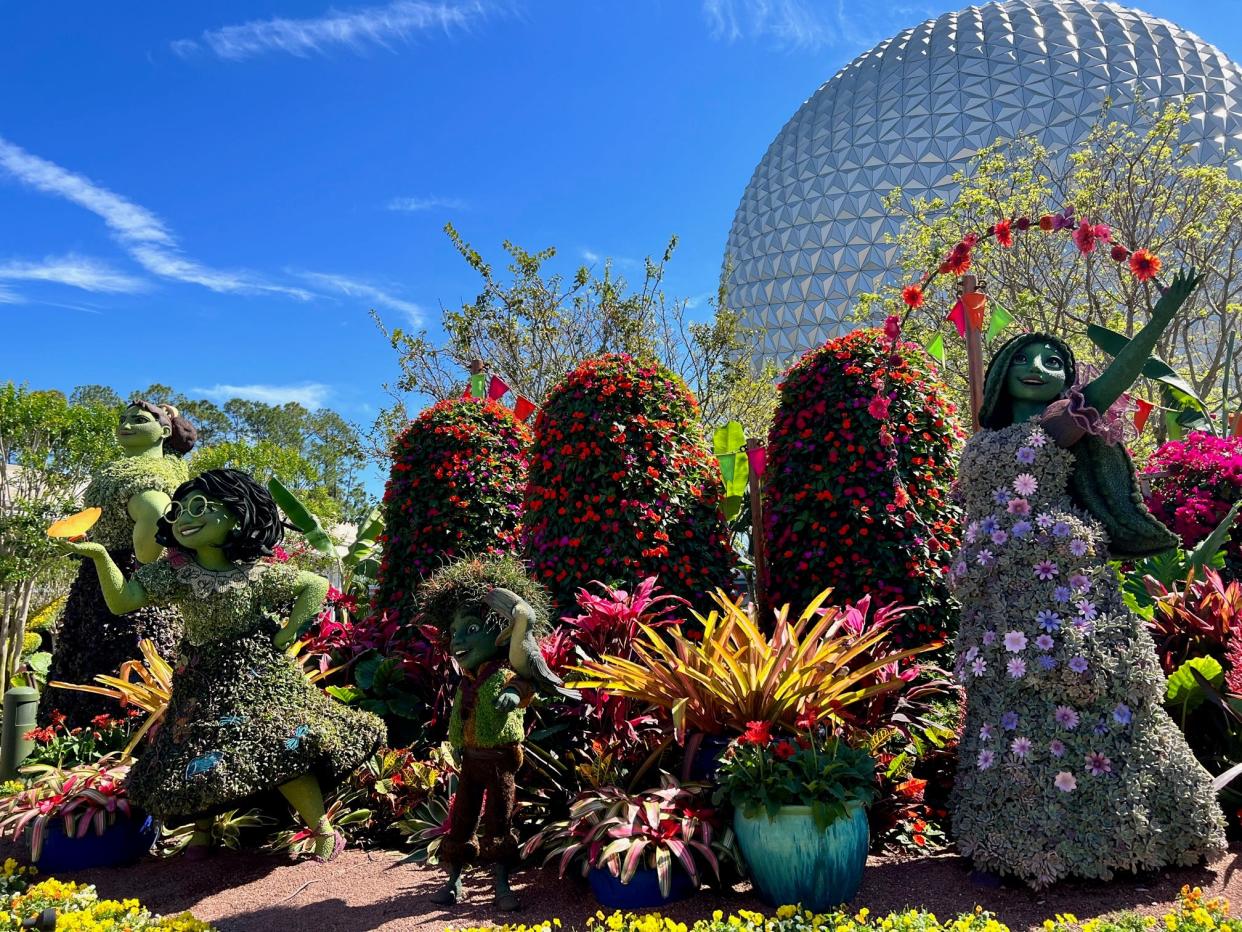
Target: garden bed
x,y
369,890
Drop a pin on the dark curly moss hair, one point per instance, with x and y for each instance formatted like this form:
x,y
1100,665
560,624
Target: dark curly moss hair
x,y
467,582
997,409
259,525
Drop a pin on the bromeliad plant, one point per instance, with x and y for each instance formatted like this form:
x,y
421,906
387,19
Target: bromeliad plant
x,y
82,798
734,674
660,829
763,773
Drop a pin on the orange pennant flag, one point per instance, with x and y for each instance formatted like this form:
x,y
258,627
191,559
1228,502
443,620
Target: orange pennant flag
x,y
976,306
1237,424
523,409
1143,412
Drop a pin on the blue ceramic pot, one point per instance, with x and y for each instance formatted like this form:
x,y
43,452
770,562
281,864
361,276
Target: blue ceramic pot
x,y
642,892
792,861
123,842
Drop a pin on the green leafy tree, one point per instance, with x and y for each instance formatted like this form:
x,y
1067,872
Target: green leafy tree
x,y
1140,179
531,326
48,450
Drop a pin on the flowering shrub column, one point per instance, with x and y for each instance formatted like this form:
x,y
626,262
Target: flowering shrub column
x,y
856,486
1204,479
622,486
455,490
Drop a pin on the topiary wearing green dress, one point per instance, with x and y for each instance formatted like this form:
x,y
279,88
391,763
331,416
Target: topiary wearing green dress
x,y
91,639
243,718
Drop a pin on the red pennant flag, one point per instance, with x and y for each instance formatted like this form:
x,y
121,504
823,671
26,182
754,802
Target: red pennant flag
x,y
523,409
757,458
1142,414
1237,424
957,317
496,389
976,305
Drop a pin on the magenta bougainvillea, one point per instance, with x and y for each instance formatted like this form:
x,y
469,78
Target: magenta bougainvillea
x,y
1202,478
857,483
458,473
622,486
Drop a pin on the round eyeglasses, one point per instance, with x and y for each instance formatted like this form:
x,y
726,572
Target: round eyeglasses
x,y
195,506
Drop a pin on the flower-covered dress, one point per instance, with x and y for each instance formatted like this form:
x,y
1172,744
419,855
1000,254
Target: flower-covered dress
x,y
243,718
1069,765
92,640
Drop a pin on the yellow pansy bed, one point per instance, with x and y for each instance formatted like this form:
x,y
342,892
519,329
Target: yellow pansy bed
x,y
1193,913
76,907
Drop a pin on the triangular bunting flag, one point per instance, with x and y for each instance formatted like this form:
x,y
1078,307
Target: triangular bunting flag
x,y
935,349
496,388
758,459
999,320
1143,409
1237,424
523,409
957,317
976,307
478,385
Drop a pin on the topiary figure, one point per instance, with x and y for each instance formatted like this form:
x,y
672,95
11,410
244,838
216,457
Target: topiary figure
x,y
622,486
857,503
455,490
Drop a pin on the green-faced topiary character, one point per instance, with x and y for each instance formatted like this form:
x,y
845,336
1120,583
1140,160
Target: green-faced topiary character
x,y
492,614
1069,765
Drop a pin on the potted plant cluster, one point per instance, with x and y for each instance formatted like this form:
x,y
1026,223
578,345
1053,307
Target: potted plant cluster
x,y
638,849
800,812
78,818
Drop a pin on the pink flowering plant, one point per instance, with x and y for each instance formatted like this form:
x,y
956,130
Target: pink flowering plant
x,y
1194,482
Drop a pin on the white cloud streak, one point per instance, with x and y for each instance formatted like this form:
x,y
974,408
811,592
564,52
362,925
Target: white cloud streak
x,y
77,271
356,30
354,288
802,23
309,395
143,235
416,204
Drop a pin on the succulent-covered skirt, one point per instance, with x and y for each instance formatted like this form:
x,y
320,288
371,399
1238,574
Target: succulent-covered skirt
x,y
243,720
1068,764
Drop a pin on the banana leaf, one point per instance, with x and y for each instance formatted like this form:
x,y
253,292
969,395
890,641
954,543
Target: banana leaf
x,y
301,517
728,443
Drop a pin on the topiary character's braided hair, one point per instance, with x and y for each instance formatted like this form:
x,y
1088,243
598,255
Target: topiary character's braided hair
x,y
466,583
259,524
997,409
181,440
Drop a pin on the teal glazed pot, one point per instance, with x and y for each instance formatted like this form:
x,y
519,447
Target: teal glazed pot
x,y
792,861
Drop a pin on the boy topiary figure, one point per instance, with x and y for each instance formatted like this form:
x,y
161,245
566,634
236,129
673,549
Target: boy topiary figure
x,y
492,613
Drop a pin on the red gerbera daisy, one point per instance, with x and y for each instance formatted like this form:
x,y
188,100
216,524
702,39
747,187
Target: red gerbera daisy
x,y
913,296
1004,234
1144,265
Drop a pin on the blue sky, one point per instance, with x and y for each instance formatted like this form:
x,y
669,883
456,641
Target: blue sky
x,y
214,195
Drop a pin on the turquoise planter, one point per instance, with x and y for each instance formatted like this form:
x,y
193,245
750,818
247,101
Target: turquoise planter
x,y
791,861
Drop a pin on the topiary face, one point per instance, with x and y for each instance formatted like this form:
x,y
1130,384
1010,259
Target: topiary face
x,y
199,522
139,431
472,637
1036,373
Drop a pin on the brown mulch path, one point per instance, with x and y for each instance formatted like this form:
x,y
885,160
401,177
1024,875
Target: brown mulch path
x,y
363,890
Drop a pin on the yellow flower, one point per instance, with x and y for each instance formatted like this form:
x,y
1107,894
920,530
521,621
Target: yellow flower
x,y
786,912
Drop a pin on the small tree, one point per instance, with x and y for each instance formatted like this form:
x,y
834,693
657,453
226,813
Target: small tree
x,y
859,504
48,450
534,325
1140,179
622,486
455,491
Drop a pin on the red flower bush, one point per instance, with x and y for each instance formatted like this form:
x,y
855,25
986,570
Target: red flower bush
x,y
458,472
856,502
1202,479
622,486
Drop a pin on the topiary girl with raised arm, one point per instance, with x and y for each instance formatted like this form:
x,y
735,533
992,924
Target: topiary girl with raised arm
x,y
243,719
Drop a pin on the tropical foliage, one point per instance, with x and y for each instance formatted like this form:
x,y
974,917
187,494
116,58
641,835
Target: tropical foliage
x,y
1194,483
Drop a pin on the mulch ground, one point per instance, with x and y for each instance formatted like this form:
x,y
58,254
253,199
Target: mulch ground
x,y
362,890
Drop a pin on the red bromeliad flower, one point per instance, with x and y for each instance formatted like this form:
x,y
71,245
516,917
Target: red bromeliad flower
x,y
912,295
1144,265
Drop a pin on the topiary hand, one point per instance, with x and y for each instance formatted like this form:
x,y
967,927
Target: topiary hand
x,y
504,602
82,548
507,701
1184,283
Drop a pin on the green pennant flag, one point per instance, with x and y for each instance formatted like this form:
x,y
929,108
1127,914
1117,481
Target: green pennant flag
x,y
1001,319
935,349
478,388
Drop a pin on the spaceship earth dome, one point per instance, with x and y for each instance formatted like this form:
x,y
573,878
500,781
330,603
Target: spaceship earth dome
x,y
809,234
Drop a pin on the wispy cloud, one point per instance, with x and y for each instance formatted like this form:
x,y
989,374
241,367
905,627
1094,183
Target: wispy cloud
x,y
801,23
310,395
77,271
415,204
589,255
144,236
9,297
355,288
356,30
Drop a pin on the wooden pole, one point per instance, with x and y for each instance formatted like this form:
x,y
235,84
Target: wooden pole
x,y
763,612
968,284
